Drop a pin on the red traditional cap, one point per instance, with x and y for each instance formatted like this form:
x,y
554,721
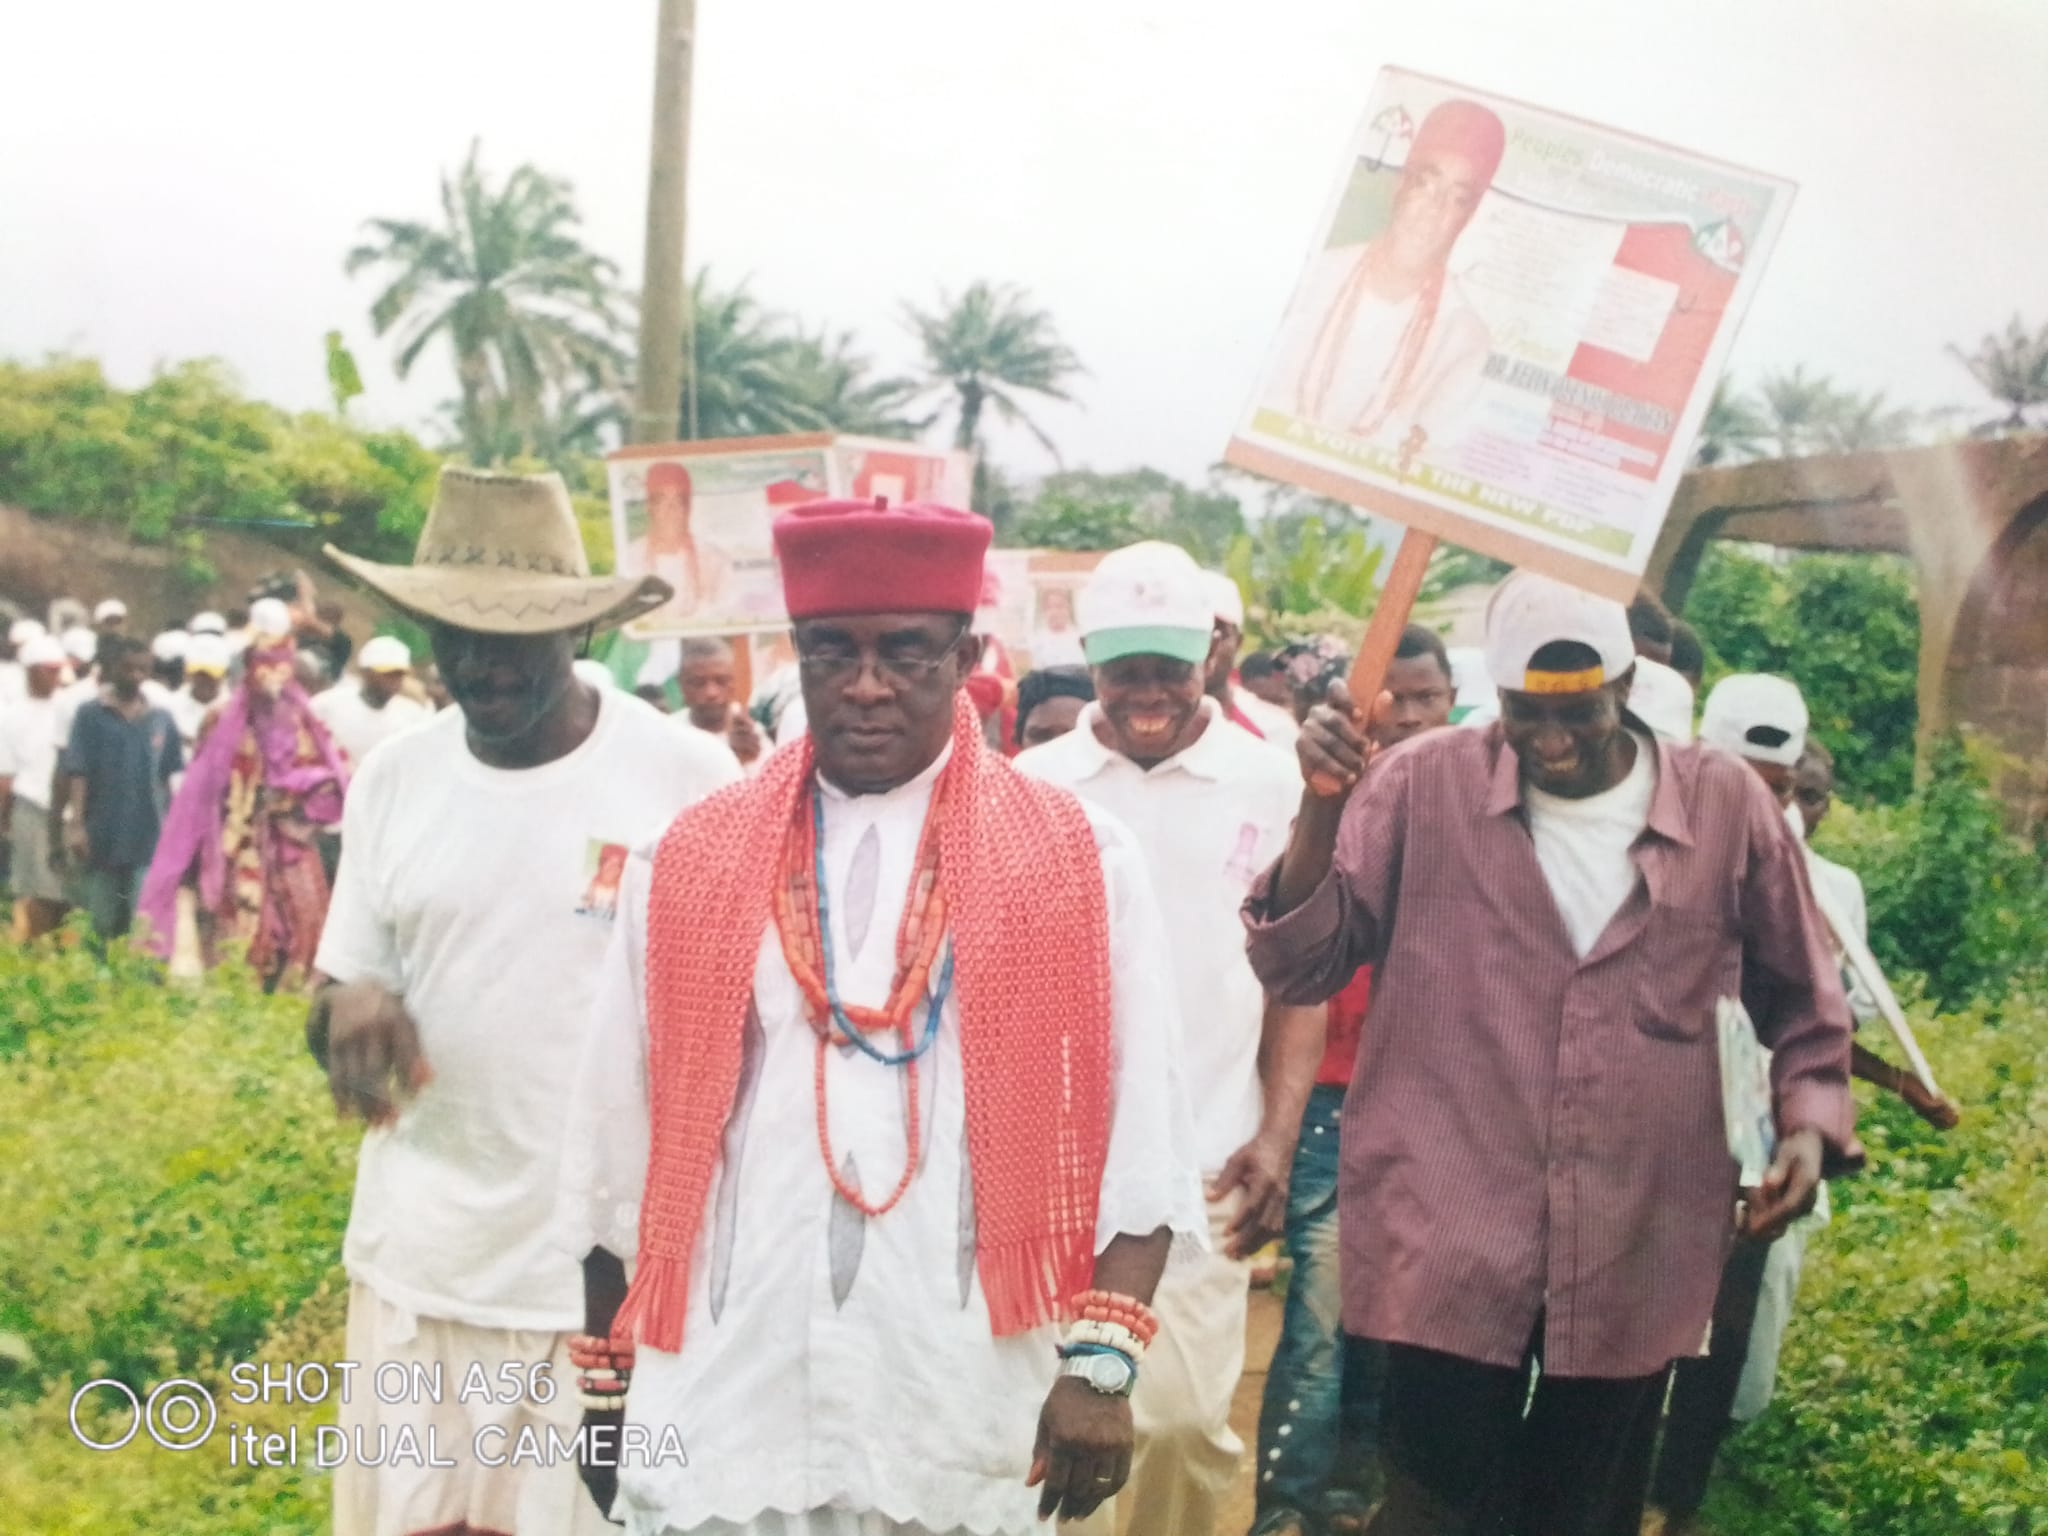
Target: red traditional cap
x,y
1466,128
666,476
841,557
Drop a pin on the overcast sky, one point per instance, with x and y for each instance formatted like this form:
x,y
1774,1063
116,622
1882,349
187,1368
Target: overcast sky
x,y
184,180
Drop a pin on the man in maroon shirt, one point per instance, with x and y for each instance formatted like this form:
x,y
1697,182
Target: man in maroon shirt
x,y
1534,1168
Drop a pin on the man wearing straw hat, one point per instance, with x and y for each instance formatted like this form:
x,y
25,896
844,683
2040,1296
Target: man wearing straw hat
x,y
1534,1167
884,1089
459,959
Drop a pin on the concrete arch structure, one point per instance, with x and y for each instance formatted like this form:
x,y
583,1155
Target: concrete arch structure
x,y
1973,519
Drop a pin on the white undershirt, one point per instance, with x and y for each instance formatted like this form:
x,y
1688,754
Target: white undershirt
x,y
1583,847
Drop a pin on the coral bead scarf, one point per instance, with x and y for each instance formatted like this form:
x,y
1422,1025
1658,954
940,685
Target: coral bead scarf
x,y
1029,927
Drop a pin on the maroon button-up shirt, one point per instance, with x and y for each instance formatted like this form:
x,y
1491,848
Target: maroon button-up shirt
x,y
1534,1135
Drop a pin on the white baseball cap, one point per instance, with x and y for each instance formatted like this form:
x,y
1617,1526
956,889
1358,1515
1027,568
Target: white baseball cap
x,y
41,651
1661,699
1228,600
1147,599
109,608
384,653
1529,611
21,631
270,619
1756,716
207,653
80,644
594,672
171,645
207,623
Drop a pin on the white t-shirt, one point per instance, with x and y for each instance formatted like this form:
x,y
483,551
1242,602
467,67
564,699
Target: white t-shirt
x,y
190,715
357,727
1583,847
1209,821
484,897
67,700
719,739
28,748
13,683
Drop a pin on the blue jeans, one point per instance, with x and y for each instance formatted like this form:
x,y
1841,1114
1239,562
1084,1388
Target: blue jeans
x,y
1319,1425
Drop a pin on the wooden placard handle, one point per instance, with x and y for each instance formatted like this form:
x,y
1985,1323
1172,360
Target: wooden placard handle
x,y
1383,635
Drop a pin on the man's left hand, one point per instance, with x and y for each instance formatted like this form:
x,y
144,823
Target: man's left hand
x,y
743,736
1259,1168
1788,1189
1083,1454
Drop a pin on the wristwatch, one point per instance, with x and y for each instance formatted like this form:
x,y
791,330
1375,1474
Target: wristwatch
x,y
1110,1374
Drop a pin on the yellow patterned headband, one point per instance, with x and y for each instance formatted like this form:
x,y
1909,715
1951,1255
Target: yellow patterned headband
x,y
1563,682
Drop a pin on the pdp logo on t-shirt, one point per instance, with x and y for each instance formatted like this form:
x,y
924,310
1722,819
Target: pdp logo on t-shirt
x,y
604,866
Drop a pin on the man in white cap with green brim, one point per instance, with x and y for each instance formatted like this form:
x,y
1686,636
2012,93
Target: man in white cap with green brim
x,y
1210,805
365,711
458,961
1535,1170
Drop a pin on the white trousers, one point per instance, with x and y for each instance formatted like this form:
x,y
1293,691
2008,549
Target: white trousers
x,y
418,1359
1187,1454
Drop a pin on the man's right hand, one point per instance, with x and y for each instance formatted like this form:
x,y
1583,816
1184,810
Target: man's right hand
x,y
1333,746
373,1052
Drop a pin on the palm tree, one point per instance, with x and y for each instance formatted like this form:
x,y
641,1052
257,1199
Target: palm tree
x,y
756,374
986,349
1796,408
1731,431
527,311
1860,423
2013,369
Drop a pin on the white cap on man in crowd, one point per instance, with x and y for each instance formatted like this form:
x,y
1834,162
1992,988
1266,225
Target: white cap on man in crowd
x,y
1661,699
1756,716
208,654
594,672
1147,599
109,608
207,623
270,619
1529,611
80,644
41,651
21,631
1227,597
171,645
384,653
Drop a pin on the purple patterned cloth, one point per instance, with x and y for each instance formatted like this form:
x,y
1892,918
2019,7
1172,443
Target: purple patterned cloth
x,y
192,832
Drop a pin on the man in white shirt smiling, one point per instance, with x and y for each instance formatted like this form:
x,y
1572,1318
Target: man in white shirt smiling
x,y
884,1088
463,945
1210,805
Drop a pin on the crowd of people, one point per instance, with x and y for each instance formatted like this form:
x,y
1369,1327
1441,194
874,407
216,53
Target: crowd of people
x,y
872,1095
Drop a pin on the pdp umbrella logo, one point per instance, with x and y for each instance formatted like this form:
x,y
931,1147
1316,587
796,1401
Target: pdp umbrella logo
x,y
1394,126
179,1414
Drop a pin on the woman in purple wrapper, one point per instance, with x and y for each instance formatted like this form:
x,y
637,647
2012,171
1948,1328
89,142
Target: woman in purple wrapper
x,y
266,778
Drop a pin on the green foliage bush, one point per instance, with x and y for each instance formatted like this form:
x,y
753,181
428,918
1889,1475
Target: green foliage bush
x,y
1952,894
172,1173
1913,1393
1846,628
187,450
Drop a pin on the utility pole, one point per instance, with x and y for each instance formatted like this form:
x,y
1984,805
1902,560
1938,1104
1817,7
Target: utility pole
x,y
664,292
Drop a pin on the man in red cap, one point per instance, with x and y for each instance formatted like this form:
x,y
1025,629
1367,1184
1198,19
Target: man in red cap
x,y
883,1096
1386,347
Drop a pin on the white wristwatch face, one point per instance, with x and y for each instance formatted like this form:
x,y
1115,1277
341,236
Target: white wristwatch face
x,y
1108,1374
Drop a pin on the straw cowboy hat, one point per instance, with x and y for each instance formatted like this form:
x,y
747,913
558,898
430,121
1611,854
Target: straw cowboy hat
x,y
500,554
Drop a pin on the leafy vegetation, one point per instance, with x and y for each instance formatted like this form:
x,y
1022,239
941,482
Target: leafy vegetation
x,y
187,451
1846,628
2012,368
984,350
1913,1392
1952,894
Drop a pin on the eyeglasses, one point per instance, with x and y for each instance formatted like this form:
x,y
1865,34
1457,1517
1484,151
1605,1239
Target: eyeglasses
x,y
897,667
